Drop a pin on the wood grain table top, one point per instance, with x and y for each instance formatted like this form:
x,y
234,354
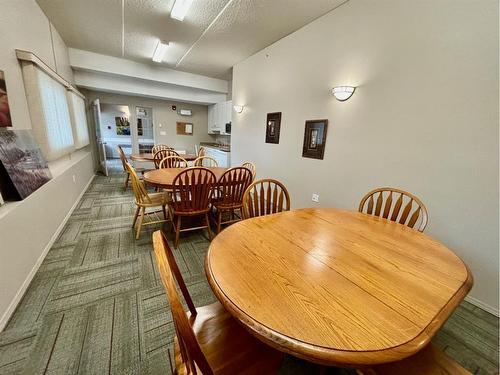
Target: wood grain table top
x,y
164,178
334,286
149,157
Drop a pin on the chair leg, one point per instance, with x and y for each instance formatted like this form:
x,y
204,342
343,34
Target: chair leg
x,y
177,231
139,226
208,227
135,216
219,219
164,212
126,180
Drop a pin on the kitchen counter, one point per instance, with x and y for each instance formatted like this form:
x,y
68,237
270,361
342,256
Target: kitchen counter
x,y
216,146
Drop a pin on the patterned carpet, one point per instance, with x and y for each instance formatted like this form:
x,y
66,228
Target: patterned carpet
x,y
96,305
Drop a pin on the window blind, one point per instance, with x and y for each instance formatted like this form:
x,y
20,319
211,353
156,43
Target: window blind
x,y
78,119
49,112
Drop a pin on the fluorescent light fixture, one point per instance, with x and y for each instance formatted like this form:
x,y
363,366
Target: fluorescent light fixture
x,y
342,93
160,50
180,9
238,108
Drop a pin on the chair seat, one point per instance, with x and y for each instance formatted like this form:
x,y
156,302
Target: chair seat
x,y
429,361
228,347
157,199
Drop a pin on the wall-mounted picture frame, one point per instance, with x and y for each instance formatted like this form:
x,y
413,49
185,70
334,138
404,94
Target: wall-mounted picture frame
x,y
315,139
273,127
122,126
23,169
5,119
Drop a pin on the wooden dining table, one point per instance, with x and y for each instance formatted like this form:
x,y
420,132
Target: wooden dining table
x,y
147,156
164,178
336,287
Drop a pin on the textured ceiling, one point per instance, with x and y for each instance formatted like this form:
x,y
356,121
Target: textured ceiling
x,y
215,35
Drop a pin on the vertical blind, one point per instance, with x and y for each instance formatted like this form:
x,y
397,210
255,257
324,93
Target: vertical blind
x,y
49,112
78,119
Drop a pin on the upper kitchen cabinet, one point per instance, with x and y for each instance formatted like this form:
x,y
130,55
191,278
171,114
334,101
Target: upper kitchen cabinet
x,y
219,115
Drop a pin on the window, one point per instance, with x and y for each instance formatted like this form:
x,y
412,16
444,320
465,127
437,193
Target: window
x,y
49,112
78,119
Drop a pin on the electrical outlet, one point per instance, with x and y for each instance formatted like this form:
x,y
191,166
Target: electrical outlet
x,y
163,133
315,198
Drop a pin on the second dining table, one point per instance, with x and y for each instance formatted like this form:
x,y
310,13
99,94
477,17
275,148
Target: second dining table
x,y
336,287
164,178
147,156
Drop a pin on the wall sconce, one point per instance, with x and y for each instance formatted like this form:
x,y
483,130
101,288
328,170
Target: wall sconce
x,y
342,93
238,108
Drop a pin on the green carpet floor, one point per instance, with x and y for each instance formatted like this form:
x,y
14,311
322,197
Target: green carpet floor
x,y
96,305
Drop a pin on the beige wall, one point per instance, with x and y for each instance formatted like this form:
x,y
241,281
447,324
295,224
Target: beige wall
x,y
28,228
423,118
164,115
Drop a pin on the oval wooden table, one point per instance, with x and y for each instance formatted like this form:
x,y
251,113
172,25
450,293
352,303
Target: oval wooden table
x,y
163,178
336,287
149,157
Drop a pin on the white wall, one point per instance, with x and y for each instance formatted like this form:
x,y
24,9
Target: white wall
x,y
423,118
27,228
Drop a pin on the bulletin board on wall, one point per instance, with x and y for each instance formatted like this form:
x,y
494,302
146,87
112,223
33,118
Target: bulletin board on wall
x,y
184,128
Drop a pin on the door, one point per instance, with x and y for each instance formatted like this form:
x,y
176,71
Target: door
x,y
101,146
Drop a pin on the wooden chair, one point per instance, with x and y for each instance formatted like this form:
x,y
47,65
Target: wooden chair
x,y
158,156
413,209
144,201
264,197
230,188
173,162
157,148
192,191
202,161
429,361
250,166
124,161
202,151
207,339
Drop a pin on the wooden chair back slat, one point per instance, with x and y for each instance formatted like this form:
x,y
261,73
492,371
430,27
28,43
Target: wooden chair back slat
x,y
140,193
191,353
407,209
192,190
201,151
159,155
397,207
157,148
387,206
264,197
232,185
173,162
205,161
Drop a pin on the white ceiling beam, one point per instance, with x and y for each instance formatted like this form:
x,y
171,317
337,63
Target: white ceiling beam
x,y
139,87
95,62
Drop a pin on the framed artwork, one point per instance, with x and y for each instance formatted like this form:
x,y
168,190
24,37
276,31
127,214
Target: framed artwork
x,y
315,139
22,166
5,119
122,126
273,125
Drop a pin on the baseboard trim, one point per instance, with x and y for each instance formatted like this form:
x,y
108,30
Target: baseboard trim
x,y
482,305
20,293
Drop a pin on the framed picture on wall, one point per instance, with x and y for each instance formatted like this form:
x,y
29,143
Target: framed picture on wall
x,y
273,125
5,119
122,126
23,169
315,139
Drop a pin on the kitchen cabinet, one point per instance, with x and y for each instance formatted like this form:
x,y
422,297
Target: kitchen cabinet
x,y
223,157
219,114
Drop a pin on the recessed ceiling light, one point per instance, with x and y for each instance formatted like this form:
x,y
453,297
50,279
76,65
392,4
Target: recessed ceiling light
x,y
160,50
180,9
